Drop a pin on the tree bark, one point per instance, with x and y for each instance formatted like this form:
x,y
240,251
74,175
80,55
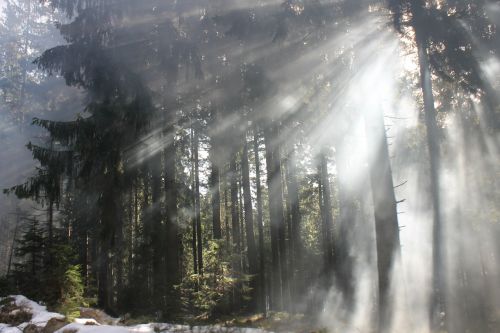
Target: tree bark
x,y
249,228
156,231
385,210
173,237
326,214
276,214
438,299
197,200
260,224
295,218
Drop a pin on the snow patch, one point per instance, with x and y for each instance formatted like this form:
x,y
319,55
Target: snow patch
x,y
81,325
40,314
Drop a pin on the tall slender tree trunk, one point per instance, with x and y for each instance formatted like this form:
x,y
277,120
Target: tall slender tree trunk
x,y
385,210
215,201
227,217
146,233
276,214
347,219
260,224
295,218
14,239
173,237
156,231
326,214
249,227
197,200
235,224
194,240
438,299
109,218
215,186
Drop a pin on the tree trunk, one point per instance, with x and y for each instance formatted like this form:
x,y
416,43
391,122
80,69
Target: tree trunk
x,y
295,217
215,188
347,219
226,217
197,201
326,214
215,201
173,237
252,250
438,299
235,225
156,231
260,224
276,214
385,210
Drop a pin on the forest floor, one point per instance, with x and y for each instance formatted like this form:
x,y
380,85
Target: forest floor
x,y
19,314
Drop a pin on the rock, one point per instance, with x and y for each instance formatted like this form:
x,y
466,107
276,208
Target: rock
x,y
86,321
99,316
32,328
53,325
70,330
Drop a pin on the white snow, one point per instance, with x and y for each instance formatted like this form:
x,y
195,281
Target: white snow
x,y
41,316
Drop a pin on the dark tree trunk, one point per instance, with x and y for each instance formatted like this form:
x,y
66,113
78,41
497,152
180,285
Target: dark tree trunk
x,y
156,231
260,224
326,214
215,186
227,217
50,227
109,218
438,299
235,226
276,214
197,201
252,250
346,225
385,210
295,225
173,237
215,201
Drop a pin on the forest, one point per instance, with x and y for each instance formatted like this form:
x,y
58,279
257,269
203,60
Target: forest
x,y
330,164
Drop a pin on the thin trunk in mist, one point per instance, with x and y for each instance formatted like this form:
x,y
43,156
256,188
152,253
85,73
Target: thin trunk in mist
x,y
326,214
227,217
14,238
215,180
194,234
295,223
146,232
215,200
385,211
249,228
276,214
197,208
173,237
438,299
235,225
241,217
346,224
156,231
50,227
26,33
109,216
260,224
